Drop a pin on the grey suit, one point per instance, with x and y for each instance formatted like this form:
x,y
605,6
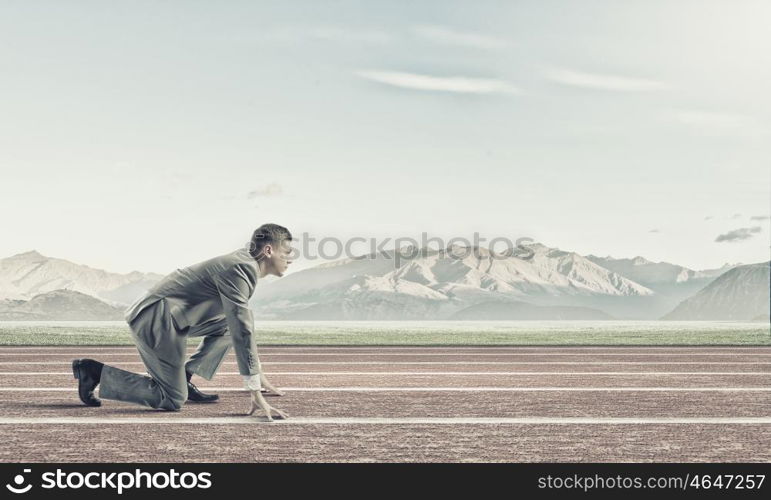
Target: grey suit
x,y
209,300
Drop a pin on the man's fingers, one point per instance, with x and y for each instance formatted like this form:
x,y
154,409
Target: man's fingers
x,y
259,403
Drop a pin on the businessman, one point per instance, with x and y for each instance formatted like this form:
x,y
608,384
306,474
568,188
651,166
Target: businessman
x,y
208,300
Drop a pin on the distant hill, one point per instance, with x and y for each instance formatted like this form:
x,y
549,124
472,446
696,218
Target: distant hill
x,y
59,305
739,294
28,274
524,311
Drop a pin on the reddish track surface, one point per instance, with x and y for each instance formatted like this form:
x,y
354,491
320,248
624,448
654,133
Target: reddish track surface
x,y
572,404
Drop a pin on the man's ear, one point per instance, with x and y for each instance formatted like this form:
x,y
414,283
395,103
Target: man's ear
x,y
268,250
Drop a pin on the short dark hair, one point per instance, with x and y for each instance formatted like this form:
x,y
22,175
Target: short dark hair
x,y
266,234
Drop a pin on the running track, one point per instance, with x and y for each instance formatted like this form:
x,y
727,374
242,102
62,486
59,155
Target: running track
x,y
553,404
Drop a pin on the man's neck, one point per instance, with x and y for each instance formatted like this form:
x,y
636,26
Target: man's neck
x,y
262,267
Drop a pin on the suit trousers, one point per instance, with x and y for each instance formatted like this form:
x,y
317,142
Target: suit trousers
x,y
162,347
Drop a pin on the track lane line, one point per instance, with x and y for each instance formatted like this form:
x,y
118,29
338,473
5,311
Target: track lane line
x,y
411,348
388,421
421,354
518,374
346,363
443,389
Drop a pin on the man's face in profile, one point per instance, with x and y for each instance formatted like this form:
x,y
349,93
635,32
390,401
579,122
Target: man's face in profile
x,y
277,257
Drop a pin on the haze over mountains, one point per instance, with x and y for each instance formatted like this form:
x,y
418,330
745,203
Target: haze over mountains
x,y
452,283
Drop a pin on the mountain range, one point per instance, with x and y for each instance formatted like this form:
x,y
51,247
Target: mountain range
x,y
455,283
28,274
435,284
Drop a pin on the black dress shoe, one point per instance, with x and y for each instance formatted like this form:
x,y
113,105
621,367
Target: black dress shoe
x,y
196,396
89,373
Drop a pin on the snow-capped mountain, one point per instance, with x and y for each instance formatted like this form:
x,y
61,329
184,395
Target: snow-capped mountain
x,y
28,274
436,284
739,294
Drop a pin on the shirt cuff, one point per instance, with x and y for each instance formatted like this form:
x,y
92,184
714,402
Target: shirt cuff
x,y
252,382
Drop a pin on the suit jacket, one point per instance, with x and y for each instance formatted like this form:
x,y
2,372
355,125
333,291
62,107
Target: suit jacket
x,y
208,291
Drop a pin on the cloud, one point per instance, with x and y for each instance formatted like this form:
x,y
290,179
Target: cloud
x,y
456,84
272,189
654,231
603,81
736,216
740,234
760,217
443,35
708,217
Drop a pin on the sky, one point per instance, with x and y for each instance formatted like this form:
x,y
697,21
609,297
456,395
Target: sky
x,y
152,135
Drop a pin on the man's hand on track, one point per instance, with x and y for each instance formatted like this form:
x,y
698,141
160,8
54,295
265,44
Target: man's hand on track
x,y
259,403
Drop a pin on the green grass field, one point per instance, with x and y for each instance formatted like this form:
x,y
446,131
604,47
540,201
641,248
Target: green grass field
x,y
424,333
